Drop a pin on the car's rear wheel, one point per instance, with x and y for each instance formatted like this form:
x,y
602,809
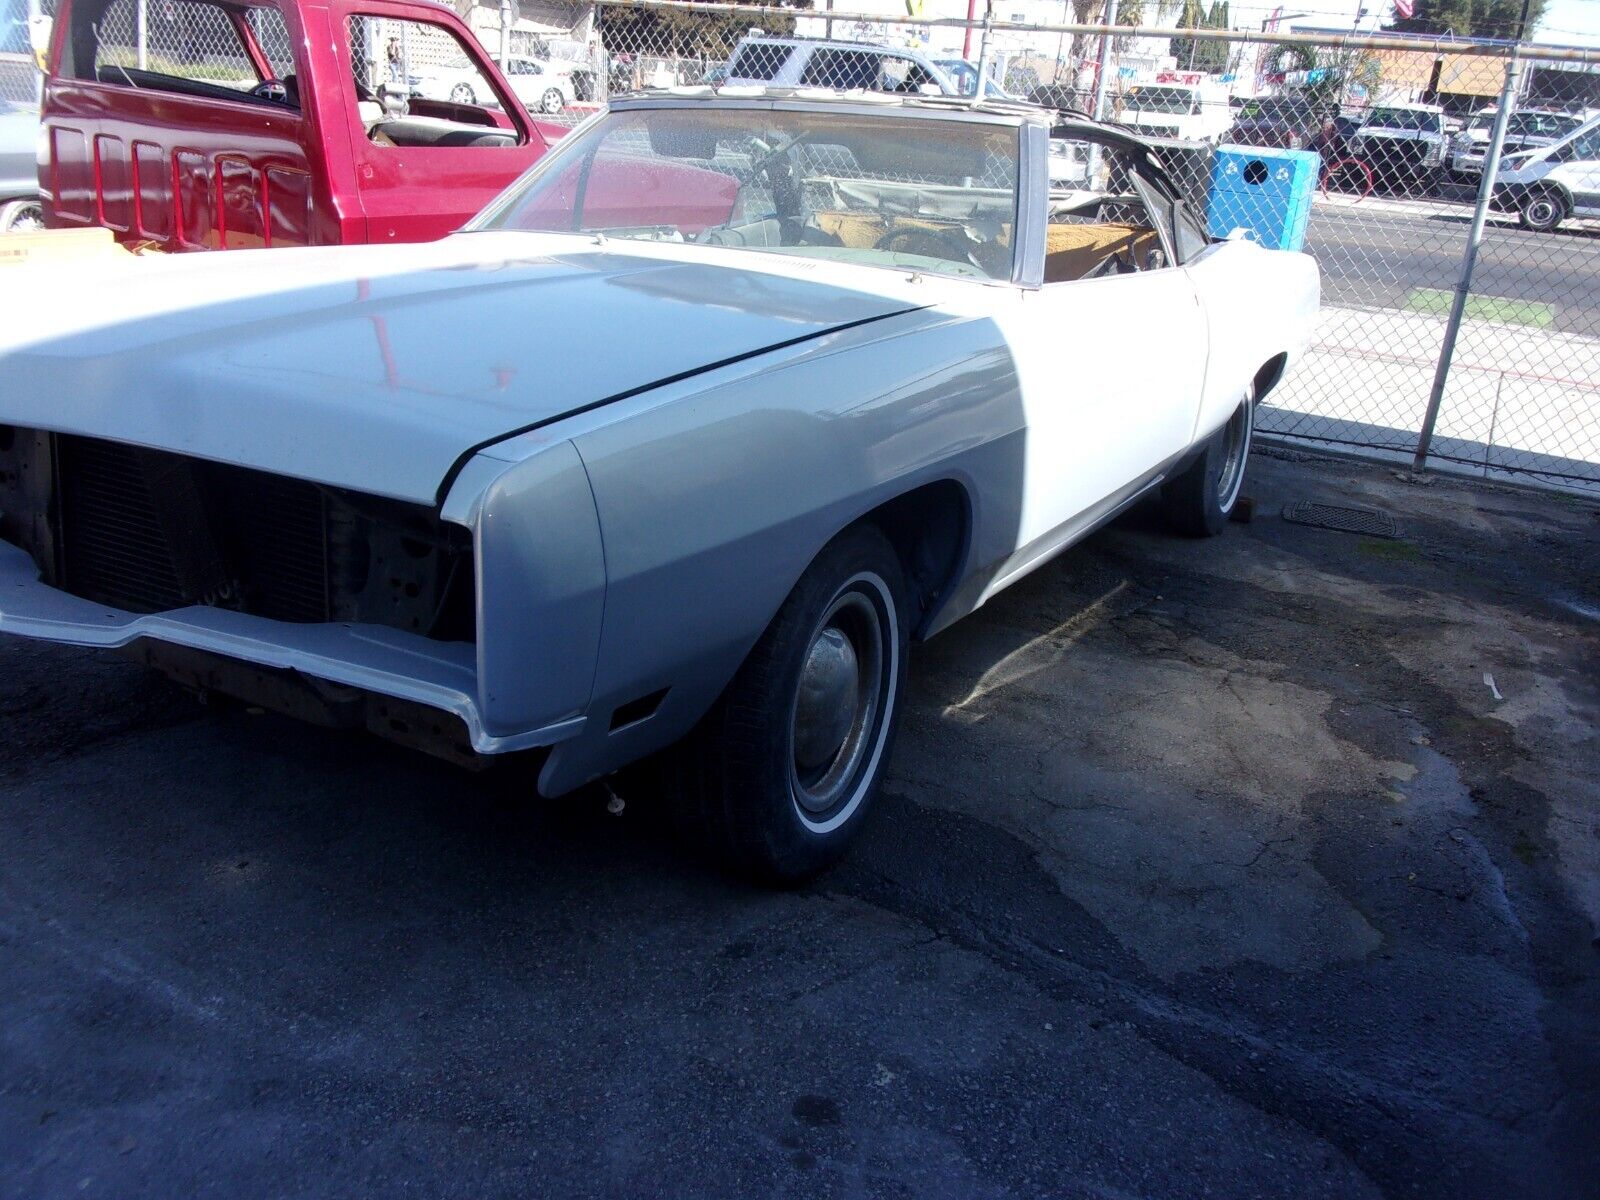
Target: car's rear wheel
x,y
781,773
1542,210
552,101
463,94
21,216
1199,500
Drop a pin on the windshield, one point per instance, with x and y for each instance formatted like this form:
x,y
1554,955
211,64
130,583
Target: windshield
x,y
919,194
1170,100
1403,118
1535,124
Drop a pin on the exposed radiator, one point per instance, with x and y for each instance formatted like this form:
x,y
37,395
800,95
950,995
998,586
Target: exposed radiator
x,y
147,531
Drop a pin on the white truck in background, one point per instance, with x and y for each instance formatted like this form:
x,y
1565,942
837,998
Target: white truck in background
x,y
1190,112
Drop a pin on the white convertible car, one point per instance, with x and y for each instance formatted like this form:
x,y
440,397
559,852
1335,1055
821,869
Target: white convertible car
x,y
682,443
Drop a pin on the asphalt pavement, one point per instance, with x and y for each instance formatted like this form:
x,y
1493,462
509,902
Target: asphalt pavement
x,y
1267,866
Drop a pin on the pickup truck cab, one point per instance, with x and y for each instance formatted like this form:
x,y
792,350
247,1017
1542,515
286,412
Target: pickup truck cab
x,y
218,124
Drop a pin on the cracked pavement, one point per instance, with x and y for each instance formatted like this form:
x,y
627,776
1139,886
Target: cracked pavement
x,y
1204,869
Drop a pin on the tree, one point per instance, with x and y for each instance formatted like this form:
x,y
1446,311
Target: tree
x,y
671,33
1196,54
1470,18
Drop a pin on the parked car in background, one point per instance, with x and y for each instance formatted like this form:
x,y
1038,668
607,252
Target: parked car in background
x,y
1547,186
300,126
1525,130
1062,99
542,86
873,377
20,207
845,66
1182,111
965,75
1279,122
537,85
1403,144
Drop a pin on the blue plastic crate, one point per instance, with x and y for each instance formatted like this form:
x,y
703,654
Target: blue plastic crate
x,y
1265,191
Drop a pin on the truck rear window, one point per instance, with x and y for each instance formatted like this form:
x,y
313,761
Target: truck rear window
x,y
181,45
759,60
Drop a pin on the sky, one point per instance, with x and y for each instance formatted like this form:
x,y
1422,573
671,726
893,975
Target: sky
x,y
1575,22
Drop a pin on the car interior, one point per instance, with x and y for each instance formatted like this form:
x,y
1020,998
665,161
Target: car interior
x,y
1102,226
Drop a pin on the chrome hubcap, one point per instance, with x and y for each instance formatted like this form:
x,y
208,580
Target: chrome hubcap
x,y
830,695
1237,437
836,707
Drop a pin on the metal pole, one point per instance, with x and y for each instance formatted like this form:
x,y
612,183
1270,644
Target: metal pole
x,y
1469,260
141,37
983,50
1105,55
827,26
506,21
966,38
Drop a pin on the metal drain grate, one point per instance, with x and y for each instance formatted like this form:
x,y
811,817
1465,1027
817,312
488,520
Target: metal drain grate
x,y
1347,520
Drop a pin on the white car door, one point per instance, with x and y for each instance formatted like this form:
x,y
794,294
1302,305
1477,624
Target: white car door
x,y
1110,372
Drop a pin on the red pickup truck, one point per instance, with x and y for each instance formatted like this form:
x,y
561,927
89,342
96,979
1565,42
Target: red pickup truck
x,y
214,124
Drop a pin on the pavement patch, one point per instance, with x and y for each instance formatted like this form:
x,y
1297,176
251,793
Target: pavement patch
x,y
1501,309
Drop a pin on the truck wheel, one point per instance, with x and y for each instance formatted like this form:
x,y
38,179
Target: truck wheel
x,y
782,771
463,94
1199,500
552,101
21,216
1542,211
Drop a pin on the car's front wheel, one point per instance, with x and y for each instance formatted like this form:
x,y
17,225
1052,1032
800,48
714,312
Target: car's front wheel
x,y
781,773
552,101
1200,499
1542,210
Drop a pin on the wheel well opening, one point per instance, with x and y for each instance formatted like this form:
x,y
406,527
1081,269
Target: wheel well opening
x,y
1268,376
928,527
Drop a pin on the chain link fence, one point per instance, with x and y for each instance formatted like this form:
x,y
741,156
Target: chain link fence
x,y
1368,157
1367,153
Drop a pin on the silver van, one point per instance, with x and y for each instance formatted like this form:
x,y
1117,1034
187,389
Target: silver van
x,y
1546,186
845,66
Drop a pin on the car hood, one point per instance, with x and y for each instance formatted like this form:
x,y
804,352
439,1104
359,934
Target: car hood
x,y
378,368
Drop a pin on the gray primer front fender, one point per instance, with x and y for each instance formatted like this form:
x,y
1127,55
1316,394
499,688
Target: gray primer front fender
x,y
715,496
541,585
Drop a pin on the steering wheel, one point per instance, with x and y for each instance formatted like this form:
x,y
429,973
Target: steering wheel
x,y
271,89
950,244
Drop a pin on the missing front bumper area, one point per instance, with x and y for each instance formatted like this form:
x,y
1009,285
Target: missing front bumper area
x,y
315,701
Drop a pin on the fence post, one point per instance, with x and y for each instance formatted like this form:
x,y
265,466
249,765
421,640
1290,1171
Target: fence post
x,y
1469,259
506,21
142,21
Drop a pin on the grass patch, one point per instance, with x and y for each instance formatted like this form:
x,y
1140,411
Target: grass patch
x,y
1390,551
1436,302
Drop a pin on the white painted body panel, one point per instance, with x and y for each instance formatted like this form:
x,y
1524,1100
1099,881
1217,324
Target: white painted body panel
x,y
1104,406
